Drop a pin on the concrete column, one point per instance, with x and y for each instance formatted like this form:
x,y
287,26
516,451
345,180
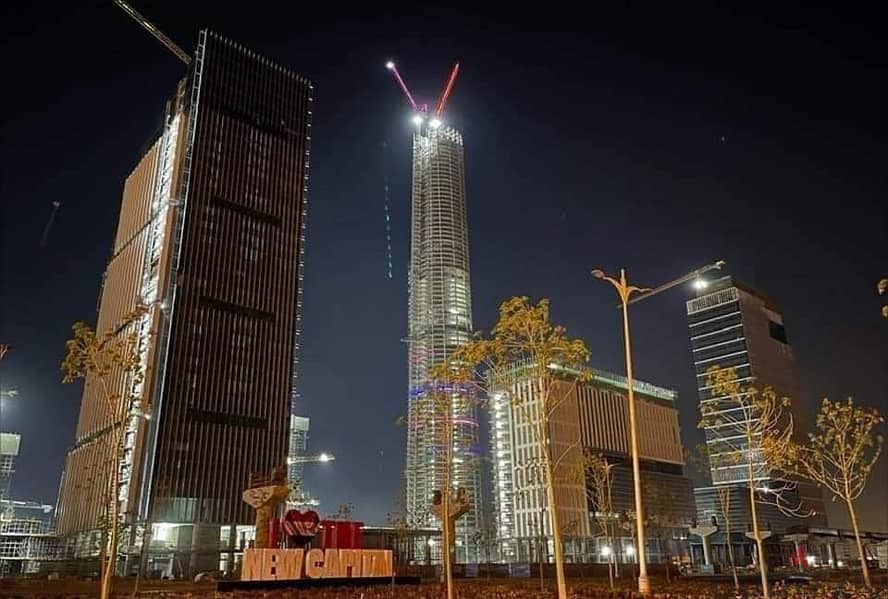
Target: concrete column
x,y
704,532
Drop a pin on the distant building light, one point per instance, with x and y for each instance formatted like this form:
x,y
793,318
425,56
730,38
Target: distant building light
x,y
390,65
700,284
435,123
417,120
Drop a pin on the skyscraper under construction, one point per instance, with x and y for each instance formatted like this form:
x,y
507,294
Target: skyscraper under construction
x,y
439,320
210,238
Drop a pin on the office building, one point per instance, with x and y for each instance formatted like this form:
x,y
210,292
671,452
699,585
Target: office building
x,y
735,326
27,540
211,239
592,417
9,450
439,320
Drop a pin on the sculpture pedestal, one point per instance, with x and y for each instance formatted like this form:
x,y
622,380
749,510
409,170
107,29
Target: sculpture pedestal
x,y
264,500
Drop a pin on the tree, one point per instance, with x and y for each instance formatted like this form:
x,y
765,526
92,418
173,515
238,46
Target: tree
x,y
443,398
345,511
112,364
882,288
598,471
525,345
838,456
740,421
698,458
724,504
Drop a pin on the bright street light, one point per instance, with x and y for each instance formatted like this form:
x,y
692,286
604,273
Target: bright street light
x,y
325,457
625,291
417,120
606,551
630,550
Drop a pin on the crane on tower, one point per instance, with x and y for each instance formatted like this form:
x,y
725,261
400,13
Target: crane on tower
x,y
308,459
421,114
157,33
422,110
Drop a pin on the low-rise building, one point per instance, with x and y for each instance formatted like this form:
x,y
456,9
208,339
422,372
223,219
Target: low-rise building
x,y
591,418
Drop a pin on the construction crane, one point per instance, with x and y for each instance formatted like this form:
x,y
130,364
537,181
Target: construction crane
x,y
45,237
423,109
307,459
157,33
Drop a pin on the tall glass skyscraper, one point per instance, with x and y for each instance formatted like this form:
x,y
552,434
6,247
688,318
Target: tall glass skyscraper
x,y
439,320
735,326
211,237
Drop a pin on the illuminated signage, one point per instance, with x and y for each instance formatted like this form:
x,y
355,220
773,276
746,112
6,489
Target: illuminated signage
x,y
295,564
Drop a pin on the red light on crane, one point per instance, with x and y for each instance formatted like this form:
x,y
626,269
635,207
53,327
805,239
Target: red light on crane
x,y
447,89
423,109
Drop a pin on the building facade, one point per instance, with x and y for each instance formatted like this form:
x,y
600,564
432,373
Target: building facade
x,y
211,240
591,418
439,320
735,326
27,540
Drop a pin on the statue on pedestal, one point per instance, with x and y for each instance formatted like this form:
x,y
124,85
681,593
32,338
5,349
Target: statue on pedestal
x,y
264,494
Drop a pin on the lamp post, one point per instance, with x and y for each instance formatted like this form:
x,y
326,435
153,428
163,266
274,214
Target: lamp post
x,y
625,291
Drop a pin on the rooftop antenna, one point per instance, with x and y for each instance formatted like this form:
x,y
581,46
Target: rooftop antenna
x,y
157,33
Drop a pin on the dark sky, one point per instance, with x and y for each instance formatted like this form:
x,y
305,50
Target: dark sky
x,y
633,137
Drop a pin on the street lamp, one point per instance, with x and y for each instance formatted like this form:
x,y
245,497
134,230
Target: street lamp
x,y
625,292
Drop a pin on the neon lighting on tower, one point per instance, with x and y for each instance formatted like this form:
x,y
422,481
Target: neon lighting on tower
x,y
439,316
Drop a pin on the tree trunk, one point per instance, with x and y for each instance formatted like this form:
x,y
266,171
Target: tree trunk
x,y
758,537
445,504
113,515
556,531
731,555
860,551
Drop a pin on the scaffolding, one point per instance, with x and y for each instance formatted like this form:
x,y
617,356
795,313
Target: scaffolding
x,y
439,321
26,538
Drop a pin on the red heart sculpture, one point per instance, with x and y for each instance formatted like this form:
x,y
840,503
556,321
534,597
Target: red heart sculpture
x,y
301,526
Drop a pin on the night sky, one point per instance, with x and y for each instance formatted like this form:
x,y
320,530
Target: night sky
x,y
658,141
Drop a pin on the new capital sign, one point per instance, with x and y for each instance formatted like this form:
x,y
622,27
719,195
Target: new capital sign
x,y
295,564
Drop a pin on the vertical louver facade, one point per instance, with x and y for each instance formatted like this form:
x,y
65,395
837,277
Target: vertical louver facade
x,y
214,216
231,362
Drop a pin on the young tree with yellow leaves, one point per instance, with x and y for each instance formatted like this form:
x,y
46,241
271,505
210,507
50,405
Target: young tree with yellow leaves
x,y
698,458
524,343
112,363
598,470
740,422
839,456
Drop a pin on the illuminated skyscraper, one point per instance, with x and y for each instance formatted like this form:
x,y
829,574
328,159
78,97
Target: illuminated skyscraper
x,y
210,237
735,326
440,319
